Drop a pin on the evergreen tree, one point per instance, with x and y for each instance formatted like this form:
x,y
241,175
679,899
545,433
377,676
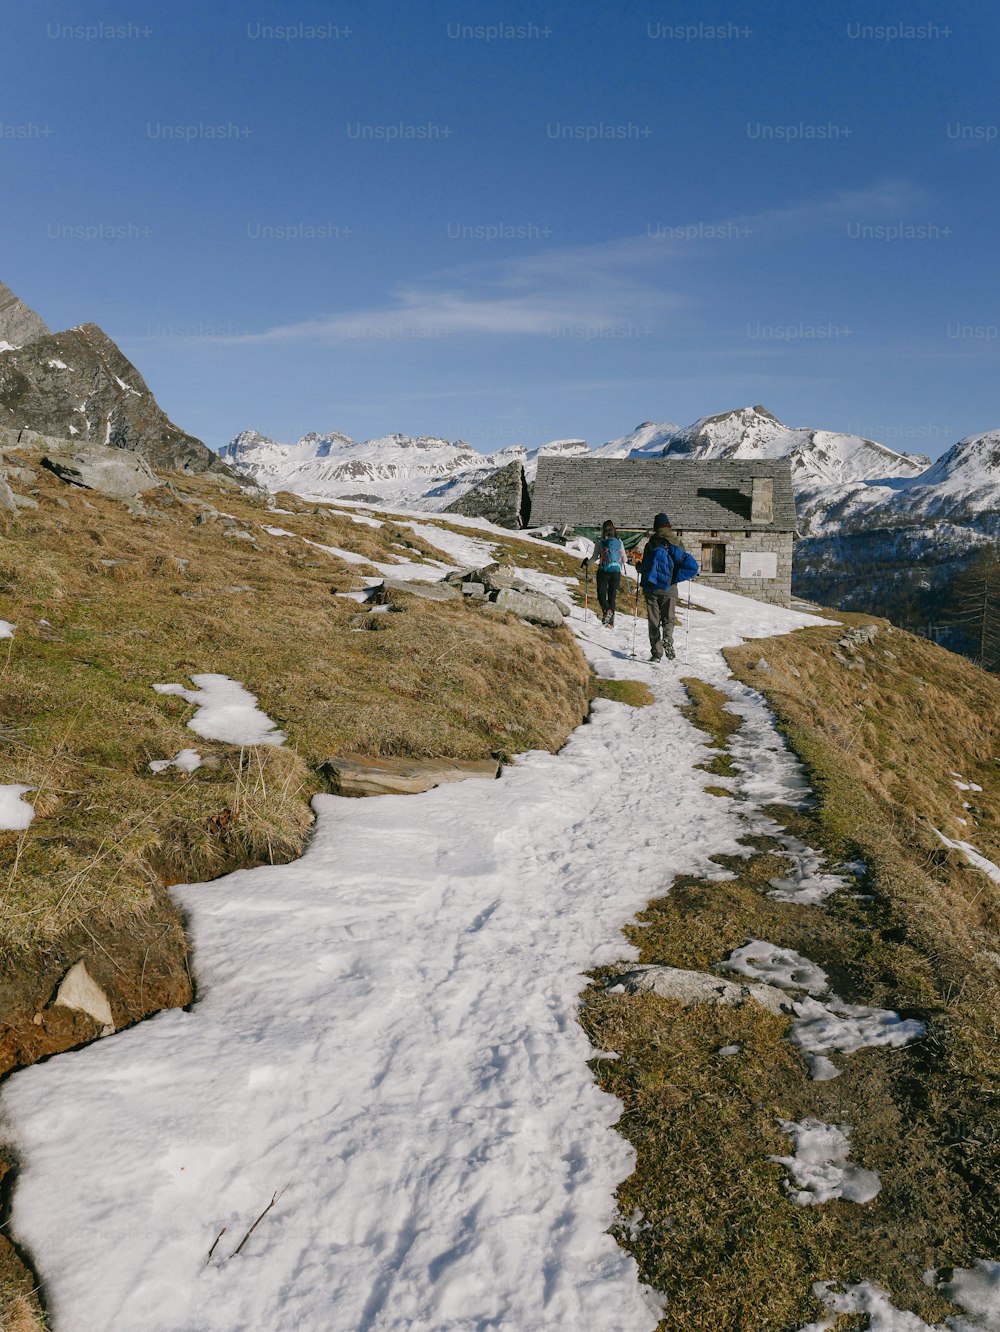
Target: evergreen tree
x,y
975,608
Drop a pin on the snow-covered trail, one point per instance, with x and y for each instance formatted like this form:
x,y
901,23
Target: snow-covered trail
x,y
386,1030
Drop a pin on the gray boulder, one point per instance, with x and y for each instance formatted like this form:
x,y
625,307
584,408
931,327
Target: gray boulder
x,y
427,591
696,987
110,471
530,606
8,501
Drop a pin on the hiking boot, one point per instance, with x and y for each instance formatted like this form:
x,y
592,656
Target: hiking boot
x,y
608,620
668,651
655,659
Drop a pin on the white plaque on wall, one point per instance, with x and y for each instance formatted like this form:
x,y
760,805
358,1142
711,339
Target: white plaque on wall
x,y
758,564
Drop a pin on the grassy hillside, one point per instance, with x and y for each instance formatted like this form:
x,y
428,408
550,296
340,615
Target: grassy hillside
x,y
109,600
886,731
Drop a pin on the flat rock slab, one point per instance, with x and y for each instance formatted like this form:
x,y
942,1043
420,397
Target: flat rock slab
x,y
428,591
530,606
697,987
358,775
111,471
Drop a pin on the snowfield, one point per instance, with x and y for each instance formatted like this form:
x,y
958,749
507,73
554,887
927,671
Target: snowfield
x,y
383,1057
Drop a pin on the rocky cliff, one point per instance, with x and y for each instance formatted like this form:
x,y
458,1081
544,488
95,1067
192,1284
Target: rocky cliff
x,y
79,385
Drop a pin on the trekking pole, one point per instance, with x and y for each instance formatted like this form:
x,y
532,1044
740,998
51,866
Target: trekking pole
x,y
687,622
635,617
586,593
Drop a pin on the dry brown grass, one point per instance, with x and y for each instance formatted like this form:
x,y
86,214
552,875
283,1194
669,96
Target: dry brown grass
x,y
718,1235
20,1310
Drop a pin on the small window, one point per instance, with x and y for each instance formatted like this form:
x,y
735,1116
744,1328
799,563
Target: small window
x,y
713,557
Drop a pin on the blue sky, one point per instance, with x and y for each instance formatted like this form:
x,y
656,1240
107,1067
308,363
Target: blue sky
x,y
392,218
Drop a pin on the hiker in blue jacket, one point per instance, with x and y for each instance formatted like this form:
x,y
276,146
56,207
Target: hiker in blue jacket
x,y
665,563
609,556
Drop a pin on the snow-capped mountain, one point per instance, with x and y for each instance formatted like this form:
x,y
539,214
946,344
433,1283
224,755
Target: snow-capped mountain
x,y
841,480
817,456
646,441
965,480
423,471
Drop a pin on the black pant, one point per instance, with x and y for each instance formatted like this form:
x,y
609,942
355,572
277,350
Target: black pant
x,y
607,589
661,613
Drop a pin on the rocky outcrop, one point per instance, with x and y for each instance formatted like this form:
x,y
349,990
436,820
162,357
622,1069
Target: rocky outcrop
x,y
111,471
358,775
500,588
502,498
18,323
79,385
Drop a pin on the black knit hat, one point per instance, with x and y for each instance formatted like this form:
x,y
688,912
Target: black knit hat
x,y
661,520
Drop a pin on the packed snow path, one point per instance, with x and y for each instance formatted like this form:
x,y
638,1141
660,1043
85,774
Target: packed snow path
x,y
385,1032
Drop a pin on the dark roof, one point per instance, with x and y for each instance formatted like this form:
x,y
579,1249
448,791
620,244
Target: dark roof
x,y
696,496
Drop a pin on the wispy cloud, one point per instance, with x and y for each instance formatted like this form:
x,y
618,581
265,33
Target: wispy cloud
x,y
598,289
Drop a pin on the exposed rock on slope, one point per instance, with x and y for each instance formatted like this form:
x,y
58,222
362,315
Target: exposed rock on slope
x,y
18,323
501,497
79,385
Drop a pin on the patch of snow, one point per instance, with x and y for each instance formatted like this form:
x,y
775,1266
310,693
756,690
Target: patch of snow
x,y
15,813
226,711
8,346
358,518
808,884
836,1025
970,852
348,556
864,1298
278,531
820,1169
7,629
73,430
467,552
187,760
57,365
776,966
975,1290
822,1069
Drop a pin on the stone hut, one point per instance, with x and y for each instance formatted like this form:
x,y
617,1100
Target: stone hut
x,y
737,518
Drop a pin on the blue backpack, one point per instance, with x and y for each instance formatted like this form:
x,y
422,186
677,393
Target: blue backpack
x,y
664,565
612,555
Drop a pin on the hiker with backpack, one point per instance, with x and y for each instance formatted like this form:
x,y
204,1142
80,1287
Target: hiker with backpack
x,y
609,556
665,563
